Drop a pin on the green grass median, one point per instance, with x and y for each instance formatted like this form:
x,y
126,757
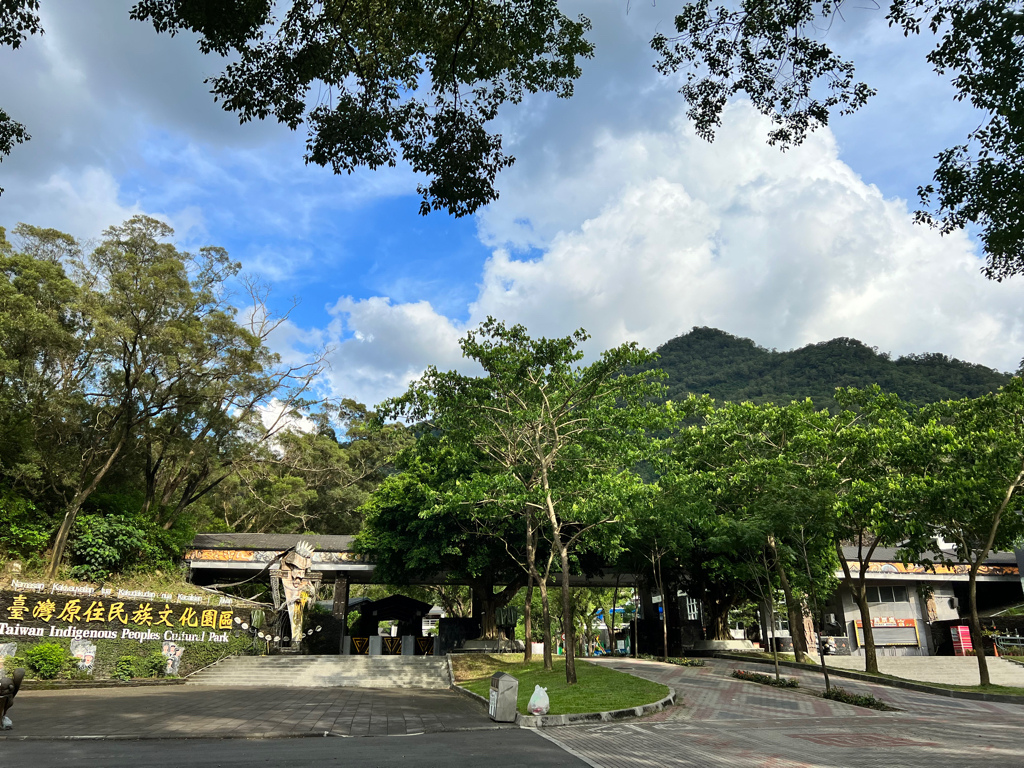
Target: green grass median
x,y
599,689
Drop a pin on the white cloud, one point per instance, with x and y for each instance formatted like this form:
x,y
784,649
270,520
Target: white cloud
x,y
661,232
277,417
381,347
81,202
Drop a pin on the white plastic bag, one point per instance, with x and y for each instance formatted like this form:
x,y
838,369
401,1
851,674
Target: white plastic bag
x,y
6,724
539,703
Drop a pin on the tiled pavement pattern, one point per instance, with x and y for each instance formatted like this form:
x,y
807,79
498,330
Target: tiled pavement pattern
x,y
727,722
182,711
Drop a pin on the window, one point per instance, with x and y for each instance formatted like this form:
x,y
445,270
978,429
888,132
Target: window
x,y
692,609
888,595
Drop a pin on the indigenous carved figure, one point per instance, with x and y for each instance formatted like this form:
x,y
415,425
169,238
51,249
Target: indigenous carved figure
x,y
8,690
299,585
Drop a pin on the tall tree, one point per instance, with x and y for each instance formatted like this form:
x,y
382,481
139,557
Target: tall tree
x,y
863,462
562,439
736,474
973,490
157,363
310,480
416,529
41,352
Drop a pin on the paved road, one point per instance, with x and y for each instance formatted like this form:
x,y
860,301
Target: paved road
x,y
727,722
510,748
194,711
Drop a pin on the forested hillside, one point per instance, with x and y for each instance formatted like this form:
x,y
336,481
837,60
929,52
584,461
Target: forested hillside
x,y
709,361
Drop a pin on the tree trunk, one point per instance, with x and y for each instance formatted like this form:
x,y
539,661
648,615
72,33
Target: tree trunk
x,y
568,626
528,622
484,608
718,609
531,571
976,636
64,532
656,557
614,648
545,617
771,617
860,594
795,613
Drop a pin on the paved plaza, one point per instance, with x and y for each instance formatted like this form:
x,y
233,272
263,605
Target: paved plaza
x,y
727,722
723,722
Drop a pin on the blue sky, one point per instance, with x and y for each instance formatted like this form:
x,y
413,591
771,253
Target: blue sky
x,y
614,218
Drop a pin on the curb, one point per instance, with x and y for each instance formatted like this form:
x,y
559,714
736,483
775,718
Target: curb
x,y
999,698
550,721
219,735
73,685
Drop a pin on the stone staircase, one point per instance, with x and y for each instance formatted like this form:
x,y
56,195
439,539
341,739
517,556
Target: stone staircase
x,y
327,672
952,670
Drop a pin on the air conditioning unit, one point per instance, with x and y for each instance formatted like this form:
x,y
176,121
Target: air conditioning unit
x,y
954,603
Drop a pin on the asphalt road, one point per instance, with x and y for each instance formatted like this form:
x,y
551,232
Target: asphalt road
x,y
508,748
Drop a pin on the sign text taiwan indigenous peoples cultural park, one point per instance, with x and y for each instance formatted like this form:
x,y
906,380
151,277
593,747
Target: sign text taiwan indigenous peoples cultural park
x,y
86,616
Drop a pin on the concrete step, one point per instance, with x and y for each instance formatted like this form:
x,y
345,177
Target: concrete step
x,y
327,671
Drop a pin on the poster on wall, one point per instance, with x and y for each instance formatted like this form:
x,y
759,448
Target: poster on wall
x,y
85,652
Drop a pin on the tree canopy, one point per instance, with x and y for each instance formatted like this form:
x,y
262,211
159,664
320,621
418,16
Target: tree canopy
x,y
138,401
556,443
375,83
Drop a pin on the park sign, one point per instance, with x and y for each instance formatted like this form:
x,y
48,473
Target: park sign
x,y
95,616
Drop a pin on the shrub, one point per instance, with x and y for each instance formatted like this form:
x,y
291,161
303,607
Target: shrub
x,y
24,531
47,661
154,665
858,700
680,661
105,544
124,668
757,677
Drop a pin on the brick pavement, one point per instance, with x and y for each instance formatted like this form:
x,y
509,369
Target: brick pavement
x,y
211,712
727,722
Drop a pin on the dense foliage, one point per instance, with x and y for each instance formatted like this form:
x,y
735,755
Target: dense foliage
x,y
137,403
375,83
712,362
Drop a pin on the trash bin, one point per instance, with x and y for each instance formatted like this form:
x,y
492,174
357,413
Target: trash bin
x,y
504,694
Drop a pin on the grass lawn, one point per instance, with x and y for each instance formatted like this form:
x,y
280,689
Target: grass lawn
x,y
599,689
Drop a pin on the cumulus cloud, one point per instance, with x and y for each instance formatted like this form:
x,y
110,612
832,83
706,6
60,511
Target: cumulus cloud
x,y
664,232
380,347
278,417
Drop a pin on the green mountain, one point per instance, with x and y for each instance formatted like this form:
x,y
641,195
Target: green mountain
x,y
709,361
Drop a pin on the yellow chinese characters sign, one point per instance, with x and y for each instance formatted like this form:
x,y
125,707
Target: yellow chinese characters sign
x,y
35,609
